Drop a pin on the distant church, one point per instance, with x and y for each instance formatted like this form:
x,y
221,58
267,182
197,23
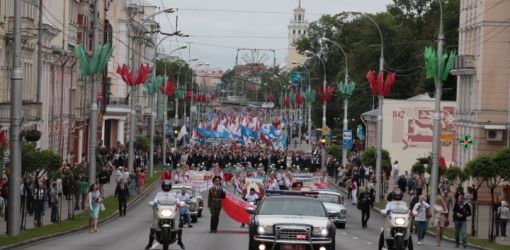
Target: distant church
x,y
298,28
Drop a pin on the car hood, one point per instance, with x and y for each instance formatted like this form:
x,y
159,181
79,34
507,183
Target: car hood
x,y
333,207
292,219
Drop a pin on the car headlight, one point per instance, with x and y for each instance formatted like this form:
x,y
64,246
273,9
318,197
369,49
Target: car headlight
x,y
322,231
166,212
265,229
400,221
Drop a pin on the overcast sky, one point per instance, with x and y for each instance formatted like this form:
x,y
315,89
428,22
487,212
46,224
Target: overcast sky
x,y
218,27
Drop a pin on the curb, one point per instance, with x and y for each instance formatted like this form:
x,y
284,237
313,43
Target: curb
x,y
428,232
103,221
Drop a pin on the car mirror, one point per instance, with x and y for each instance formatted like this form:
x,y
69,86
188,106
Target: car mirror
x,y
151,203
250,210
383,212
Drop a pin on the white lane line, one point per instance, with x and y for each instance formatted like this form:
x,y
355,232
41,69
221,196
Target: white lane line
x,y
354,237
344,233
370,243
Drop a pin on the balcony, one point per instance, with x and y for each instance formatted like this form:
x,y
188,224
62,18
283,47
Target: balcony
x,y
32,111
465,65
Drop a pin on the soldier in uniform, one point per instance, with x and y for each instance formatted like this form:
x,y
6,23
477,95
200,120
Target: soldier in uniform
x,y
216,194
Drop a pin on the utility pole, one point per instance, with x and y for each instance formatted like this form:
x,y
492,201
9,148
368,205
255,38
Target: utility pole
x,y
39,53
93,106
13,206
436,146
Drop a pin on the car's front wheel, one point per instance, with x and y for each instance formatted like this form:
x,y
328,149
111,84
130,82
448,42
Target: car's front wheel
x,y
340,225
194,219
251,244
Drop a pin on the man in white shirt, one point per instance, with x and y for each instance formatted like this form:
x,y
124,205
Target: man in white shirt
x,y
251,197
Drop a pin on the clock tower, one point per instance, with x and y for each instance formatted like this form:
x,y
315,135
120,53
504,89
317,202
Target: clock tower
x,y
298,27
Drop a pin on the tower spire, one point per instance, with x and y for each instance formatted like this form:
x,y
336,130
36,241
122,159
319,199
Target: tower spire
x,y
299,6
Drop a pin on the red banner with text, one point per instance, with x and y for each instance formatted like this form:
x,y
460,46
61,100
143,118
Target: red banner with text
x,y
235,208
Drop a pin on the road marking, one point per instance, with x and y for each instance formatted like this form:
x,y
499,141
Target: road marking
x,y
370,243
344,233
354,237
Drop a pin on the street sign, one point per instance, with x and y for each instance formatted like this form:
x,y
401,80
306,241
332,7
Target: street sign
x,y
326,130
347,140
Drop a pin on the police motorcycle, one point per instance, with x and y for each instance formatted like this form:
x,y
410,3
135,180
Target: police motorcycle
x,y
395,234
165,213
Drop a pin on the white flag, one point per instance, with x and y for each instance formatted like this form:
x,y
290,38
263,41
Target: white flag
x,y
182,132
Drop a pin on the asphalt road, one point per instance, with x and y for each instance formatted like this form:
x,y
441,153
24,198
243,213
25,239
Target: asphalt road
x,y
131,232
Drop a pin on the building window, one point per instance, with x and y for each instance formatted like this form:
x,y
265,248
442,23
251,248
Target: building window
x,y
299,32
299,17
304,32
294,32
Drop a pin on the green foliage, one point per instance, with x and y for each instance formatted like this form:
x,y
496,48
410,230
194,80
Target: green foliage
x,y
335,150
39,162
408,26
418,168
502,162
368,158
455,175
142,143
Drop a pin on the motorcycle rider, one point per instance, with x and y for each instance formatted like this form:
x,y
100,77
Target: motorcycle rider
x,y
166,186
396,195
184,197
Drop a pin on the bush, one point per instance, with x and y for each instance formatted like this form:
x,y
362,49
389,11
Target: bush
x,y
368,158
418,168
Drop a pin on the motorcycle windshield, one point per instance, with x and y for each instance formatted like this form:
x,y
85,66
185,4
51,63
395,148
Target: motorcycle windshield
x,y
398,207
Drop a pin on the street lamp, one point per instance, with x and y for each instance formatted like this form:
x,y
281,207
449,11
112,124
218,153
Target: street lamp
x,y
379,115
346,98
165,101
308,52
309,104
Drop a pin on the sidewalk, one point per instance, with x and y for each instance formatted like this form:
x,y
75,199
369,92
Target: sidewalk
x,y
483,221
65,210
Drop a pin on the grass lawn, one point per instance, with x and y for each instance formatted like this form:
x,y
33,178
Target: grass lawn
x,y
450,233
80,220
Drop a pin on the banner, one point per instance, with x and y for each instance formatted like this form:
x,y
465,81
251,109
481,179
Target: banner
x,y
235,208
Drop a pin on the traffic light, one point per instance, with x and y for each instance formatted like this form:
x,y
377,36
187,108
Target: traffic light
x,y
323,141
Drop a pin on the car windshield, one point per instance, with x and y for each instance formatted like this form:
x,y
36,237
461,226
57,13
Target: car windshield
x,y
329,198
290,206
398,207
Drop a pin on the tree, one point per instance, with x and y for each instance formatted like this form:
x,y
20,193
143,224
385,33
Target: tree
x,y
455,175
418,168
142,143
335,150
368,159
39,163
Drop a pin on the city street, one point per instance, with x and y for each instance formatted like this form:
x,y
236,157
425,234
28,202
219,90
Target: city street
x,y
131,232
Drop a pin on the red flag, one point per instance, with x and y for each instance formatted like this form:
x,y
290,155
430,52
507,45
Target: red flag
x,y
168,88
265,140
235,208
371,80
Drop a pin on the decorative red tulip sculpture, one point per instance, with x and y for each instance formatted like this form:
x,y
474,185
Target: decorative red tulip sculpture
x,y
129,76
299,98
326,93
379,86
168,88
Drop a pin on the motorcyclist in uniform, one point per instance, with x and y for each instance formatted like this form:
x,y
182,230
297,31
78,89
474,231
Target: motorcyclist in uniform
x,y
396,195
166,186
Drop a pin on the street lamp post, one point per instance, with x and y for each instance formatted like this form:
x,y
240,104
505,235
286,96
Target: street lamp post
x,y
324,82
309,104
379,116
346,100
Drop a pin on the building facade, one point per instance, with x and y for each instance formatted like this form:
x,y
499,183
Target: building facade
x,y
483,73
297,28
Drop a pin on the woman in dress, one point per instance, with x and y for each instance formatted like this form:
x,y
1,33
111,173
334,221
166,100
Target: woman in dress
x,y
95,200
440,218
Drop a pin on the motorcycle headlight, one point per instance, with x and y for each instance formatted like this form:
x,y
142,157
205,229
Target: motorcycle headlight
x,y
264,229
322,231
166,212
400,221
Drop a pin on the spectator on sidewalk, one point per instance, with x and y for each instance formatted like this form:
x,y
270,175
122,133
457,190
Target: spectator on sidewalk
x,y
461,210
503,214
77,192
84,188
354,188
122,195
420,181
103,179
94,204
140,180
54,203
440,219
420,218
